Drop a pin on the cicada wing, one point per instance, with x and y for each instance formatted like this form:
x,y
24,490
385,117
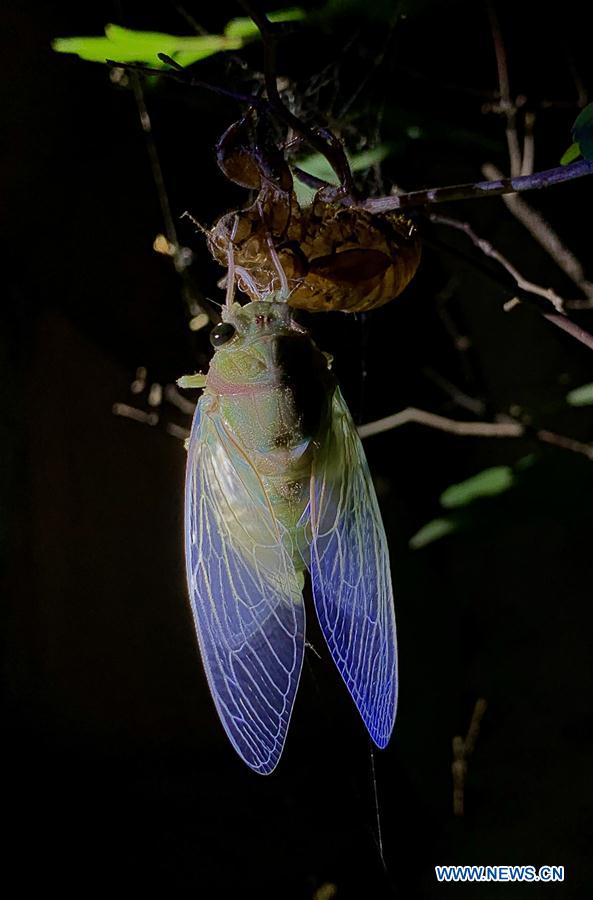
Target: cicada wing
x,y
245,593
350,573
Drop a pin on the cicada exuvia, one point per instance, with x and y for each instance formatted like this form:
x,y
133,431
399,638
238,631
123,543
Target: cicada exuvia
x,y
332,255
278,484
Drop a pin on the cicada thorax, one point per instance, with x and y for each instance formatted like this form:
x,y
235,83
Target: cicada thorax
x,y
271,387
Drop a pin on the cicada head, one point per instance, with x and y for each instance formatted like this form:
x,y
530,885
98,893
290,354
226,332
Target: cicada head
x,y
260,317
260,346
248,341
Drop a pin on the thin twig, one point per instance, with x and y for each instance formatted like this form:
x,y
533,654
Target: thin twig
x,y
571,328
506,429
506,105
528,161
559,319
488,250
138,415
178,255
545,235
461,341
565,443
176,431
172,395
179,74
459,397
452,426
462,750
189,19
153,156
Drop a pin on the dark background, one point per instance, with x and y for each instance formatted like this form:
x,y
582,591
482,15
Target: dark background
x,y
117,774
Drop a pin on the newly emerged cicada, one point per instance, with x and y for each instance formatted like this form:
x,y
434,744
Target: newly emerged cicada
x,y
277,484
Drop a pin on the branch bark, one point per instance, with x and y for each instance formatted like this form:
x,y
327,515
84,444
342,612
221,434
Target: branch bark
x,y
488,250
545,235
472,429
480,189
558,318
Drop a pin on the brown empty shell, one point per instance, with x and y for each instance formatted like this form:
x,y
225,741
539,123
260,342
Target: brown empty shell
x,y
334,257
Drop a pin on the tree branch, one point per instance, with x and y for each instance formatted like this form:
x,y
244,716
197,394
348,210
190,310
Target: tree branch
x,y
472,429
446,194
506,105
462,750
481,189
545,235
570,328
527,164
488,250
558,318
441,423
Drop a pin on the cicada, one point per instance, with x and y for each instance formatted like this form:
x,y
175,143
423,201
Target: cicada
x,y
277,485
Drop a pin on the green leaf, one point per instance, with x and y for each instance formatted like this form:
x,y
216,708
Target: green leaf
x,y
584,118
582,131
245,28
129,46
317,165
573,152
93,49
141,42
581,396
125,45
432,531
525,462
487,483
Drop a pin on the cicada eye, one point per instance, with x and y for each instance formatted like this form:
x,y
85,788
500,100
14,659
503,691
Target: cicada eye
x,y
222,334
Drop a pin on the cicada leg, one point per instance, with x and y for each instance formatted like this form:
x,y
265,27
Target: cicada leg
x,y
192,381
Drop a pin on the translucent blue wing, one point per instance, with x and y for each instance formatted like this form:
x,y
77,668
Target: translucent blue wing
x,y
245,594
350,573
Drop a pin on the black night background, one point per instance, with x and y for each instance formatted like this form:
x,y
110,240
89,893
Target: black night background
x,y
117,775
